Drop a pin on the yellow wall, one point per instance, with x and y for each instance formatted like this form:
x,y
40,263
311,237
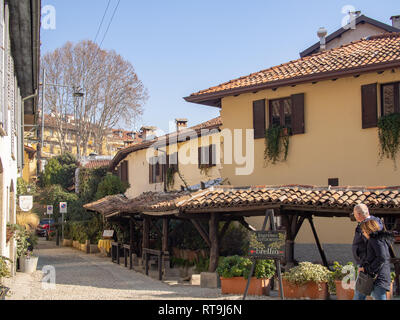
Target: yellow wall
x,y
138,169
334,145
29,170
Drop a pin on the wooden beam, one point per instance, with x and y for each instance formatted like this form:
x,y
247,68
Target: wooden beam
x,y
223,230
246,225
146,234
165,234
202,232
214,249
320,249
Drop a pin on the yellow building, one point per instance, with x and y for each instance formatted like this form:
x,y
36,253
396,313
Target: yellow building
x,y
114,140
331,101
29,173
146,167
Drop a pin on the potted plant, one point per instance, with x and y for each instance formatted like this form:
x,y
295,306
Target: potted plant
x,y
29,262
4,273
10,231
234,273
307,280
343,291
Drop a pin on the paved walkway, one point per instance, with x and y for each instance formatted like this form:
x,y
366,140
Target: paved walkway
x,y
91,277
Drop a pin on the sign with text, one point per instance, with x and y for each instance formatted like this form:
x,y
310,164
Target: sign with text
x,y
26,203
108,233
63,207
267,244
49,210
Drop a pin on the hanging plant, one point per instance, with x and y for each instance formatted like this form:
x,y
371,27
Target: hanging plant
x,y
170,177
276,142
205,169
389,136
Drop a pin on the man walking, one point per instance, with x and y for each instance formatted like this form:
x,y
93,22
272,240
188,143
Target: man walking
x,y
361,214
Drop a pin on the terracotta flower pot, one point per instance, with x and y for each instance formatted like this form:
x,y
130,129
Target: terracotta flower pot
x,y
9,234
237,285
342,293
310,290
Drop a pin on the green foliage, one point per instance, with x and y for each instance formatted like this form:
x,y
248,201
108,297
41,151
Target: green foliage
x,y
59,170
389,135
202,264
392,276
23,238
84,230
276,142
179,262
236,266
187,237
235,241
171,177
22,188
4,267
111,185
338,274
89,180
55,194
307,272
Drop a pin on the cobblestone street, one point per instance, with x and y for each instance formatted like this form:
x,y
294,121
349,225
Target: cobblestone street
x,y
91,277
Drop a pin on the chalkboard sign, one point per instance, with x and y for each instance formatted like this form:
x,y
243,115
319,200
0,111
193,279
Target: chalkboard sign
x,y
108,234
267,244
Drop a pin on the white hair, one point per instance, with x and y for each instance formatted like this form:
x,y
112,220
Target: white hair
x,y
362,209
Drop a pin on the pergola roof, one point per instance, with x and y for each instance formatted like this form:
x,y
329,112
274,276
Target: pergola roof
x,y
338,201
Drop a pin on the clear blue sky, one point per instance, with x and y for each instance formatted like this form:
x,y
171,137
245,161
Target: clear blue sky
x,y
181,46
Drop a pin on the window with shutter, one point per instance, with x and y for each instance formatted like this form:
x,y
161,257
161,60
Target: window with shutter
x,y
213,155
369,97
297,124
390,98
259,121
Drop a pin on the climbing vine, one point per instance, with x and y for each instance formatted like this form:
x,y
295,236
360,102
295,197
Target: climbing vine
x,y
277,140
171,177
205,169
389,136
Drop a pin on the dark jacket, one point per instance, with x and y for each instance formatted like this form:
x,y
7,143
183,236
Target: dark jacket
x,y
360,243
377,261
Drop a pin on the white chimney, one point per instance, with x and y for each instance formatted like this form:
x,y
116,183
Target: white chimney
x,y
395,22
322,32
181,124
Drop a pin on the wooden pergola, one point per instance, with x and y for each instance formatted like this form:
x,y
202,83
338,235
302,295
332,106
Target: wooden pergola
x,y
294,204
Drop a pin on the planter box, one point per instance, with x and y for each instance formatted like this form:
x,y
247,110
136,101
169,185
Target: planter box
x,y
28,265
93,248
75,244
237,285
342,293
311,290
83,248
67,243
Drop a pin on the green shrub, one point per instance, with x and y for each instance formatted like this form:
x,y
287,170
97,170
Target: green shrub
x,y
235,241
4,267
111,185
236,266
307,272
59,170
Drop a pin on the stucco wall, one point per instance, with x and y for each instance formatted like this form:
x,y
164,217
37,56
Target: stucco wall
x,y
334,145
138,168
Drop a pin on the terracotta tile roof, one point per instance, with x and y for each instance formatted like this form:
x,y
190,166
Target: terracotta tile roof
x,y
294,195
382,51
94,164
226,199
156,202
123,153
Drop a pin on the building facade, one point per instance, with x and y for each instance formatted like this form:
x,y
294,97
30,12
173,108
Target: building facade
x,y
19,65
331,102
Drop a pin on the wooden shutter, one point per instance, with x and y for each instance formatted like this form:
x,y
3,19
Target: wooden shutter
x,y
199,156
298,126
213,155
124,172
369,96
259,121
150,173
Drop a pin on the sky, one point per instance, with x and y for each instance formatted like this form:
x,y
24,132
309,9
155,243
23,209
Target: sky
x,y
179,47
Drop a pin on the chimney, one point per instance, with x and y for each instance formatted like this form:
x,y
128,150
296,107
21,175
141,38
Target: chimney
x,y
395,22
354,14
181,124
148,133
322,32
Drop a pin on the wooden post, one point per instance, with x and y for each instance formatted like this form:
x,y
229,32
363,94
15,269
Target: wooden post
x,y
214,250
131,241
320,249
146,234
165,243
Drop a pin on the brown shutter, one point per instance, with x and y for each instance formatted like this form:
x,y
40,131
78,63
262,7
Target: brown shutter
x,y
150,173
199,156
298,126
259,124
213,155
369,94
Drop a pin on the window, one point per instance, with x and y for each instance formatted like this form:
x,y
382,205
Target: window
x,y
281,112
390,98
156,170
207,156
